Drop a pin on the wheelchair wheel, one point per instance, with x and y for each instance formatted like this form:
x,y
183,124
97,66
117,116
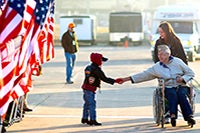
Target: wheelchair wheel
x,y
159,115
192,103
158,108
155,106
161,111
162,117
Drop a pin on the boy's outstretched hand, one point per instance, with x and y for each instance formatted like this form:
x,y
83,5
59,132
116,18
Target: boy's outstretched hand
x,y
119,80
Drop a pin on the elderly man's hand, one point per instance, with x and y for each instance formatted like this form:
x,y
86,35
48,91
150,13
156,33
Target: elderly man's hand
x,y
179,79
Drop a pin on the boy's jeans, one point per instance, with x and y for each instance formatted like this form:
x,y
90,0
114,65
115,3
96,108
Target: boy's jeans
x,y
89,107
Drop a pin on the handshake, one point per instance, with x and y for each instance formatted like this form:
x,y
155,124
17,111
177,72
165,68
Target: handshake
x,y
119,80
122,80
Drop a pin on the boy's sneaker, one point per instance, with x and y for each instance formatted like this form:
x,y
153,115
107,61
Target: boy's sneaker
x,y
94,122
85,121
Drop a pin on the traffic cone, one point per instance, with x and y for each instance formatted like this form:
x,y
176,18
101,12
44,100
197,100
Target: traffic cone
x,y
126,43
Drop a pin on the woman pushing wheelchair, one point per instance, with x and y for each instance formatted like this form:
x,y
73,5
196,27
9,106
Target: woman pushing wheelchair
x,y
176,75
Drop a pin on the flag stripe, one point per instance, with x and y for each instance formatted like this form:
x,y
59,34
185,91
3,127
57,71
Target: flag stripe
x,y
9,25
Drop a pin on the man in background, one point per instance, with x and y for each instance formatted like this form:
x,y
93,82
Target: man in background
x,y
70,45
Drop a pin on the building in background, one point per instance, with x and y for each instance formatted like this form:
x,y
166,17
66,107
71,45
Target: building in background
x,y
102,8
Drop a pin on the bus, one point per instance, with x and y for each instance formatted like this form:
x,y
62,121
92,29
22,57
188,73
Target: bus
x,y
126,25
185,20
85,27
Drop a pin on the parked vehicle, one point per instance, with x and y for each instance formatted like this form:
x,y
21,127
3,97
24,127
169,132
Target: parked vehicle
x,y
85,27
185,19
126,26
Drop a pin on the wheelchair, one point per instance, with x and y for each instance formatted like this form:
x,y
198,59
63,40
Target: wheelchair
x,y
160,102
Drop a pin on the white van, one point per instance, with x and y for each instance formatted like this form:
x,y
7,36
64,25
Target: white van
x,y
185,19
85,27
126,25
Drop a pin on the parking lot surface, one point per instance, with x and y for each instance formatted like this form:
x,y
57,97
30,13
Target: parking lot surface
x,y
126,108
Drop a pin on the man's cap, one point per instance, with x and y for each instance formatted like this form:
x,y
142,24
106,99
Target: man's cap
x,y
71,25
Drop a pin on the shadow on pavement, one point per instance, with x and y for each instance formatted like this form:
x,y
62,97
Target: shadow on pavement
x,y
126,126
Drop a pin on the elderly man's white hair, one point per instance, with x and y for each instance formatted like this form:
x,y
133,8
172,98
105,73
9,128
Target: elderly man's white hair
x,y
164,48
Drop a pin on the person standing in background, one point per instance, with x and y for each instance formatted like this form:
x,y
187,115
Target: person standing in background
x,y
70,45
169,38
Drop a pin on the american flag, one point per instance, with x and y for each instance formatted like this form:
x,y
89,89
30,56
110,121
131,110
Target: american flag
x,y
10,28
30,48
26,19
13,17
1,4
45,38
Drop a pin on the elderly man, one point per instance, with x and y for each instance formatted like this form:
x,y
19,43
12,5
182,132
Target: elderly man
x,y
176,74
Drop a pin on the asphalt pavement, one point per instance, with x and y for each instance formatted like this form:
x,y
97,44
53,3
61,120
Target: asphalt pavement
x,y
127,108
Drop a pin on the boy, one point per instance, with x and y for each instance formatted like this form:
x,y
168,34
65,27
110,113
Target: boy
x,y
93,77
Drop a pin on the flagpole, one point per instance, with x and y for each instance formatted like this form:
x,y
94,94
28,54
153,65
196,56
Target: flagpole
x,y
1,124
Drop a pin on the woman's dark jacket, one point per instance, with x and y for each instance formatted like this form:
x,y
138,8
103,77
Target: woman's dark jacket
x,y
176,50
